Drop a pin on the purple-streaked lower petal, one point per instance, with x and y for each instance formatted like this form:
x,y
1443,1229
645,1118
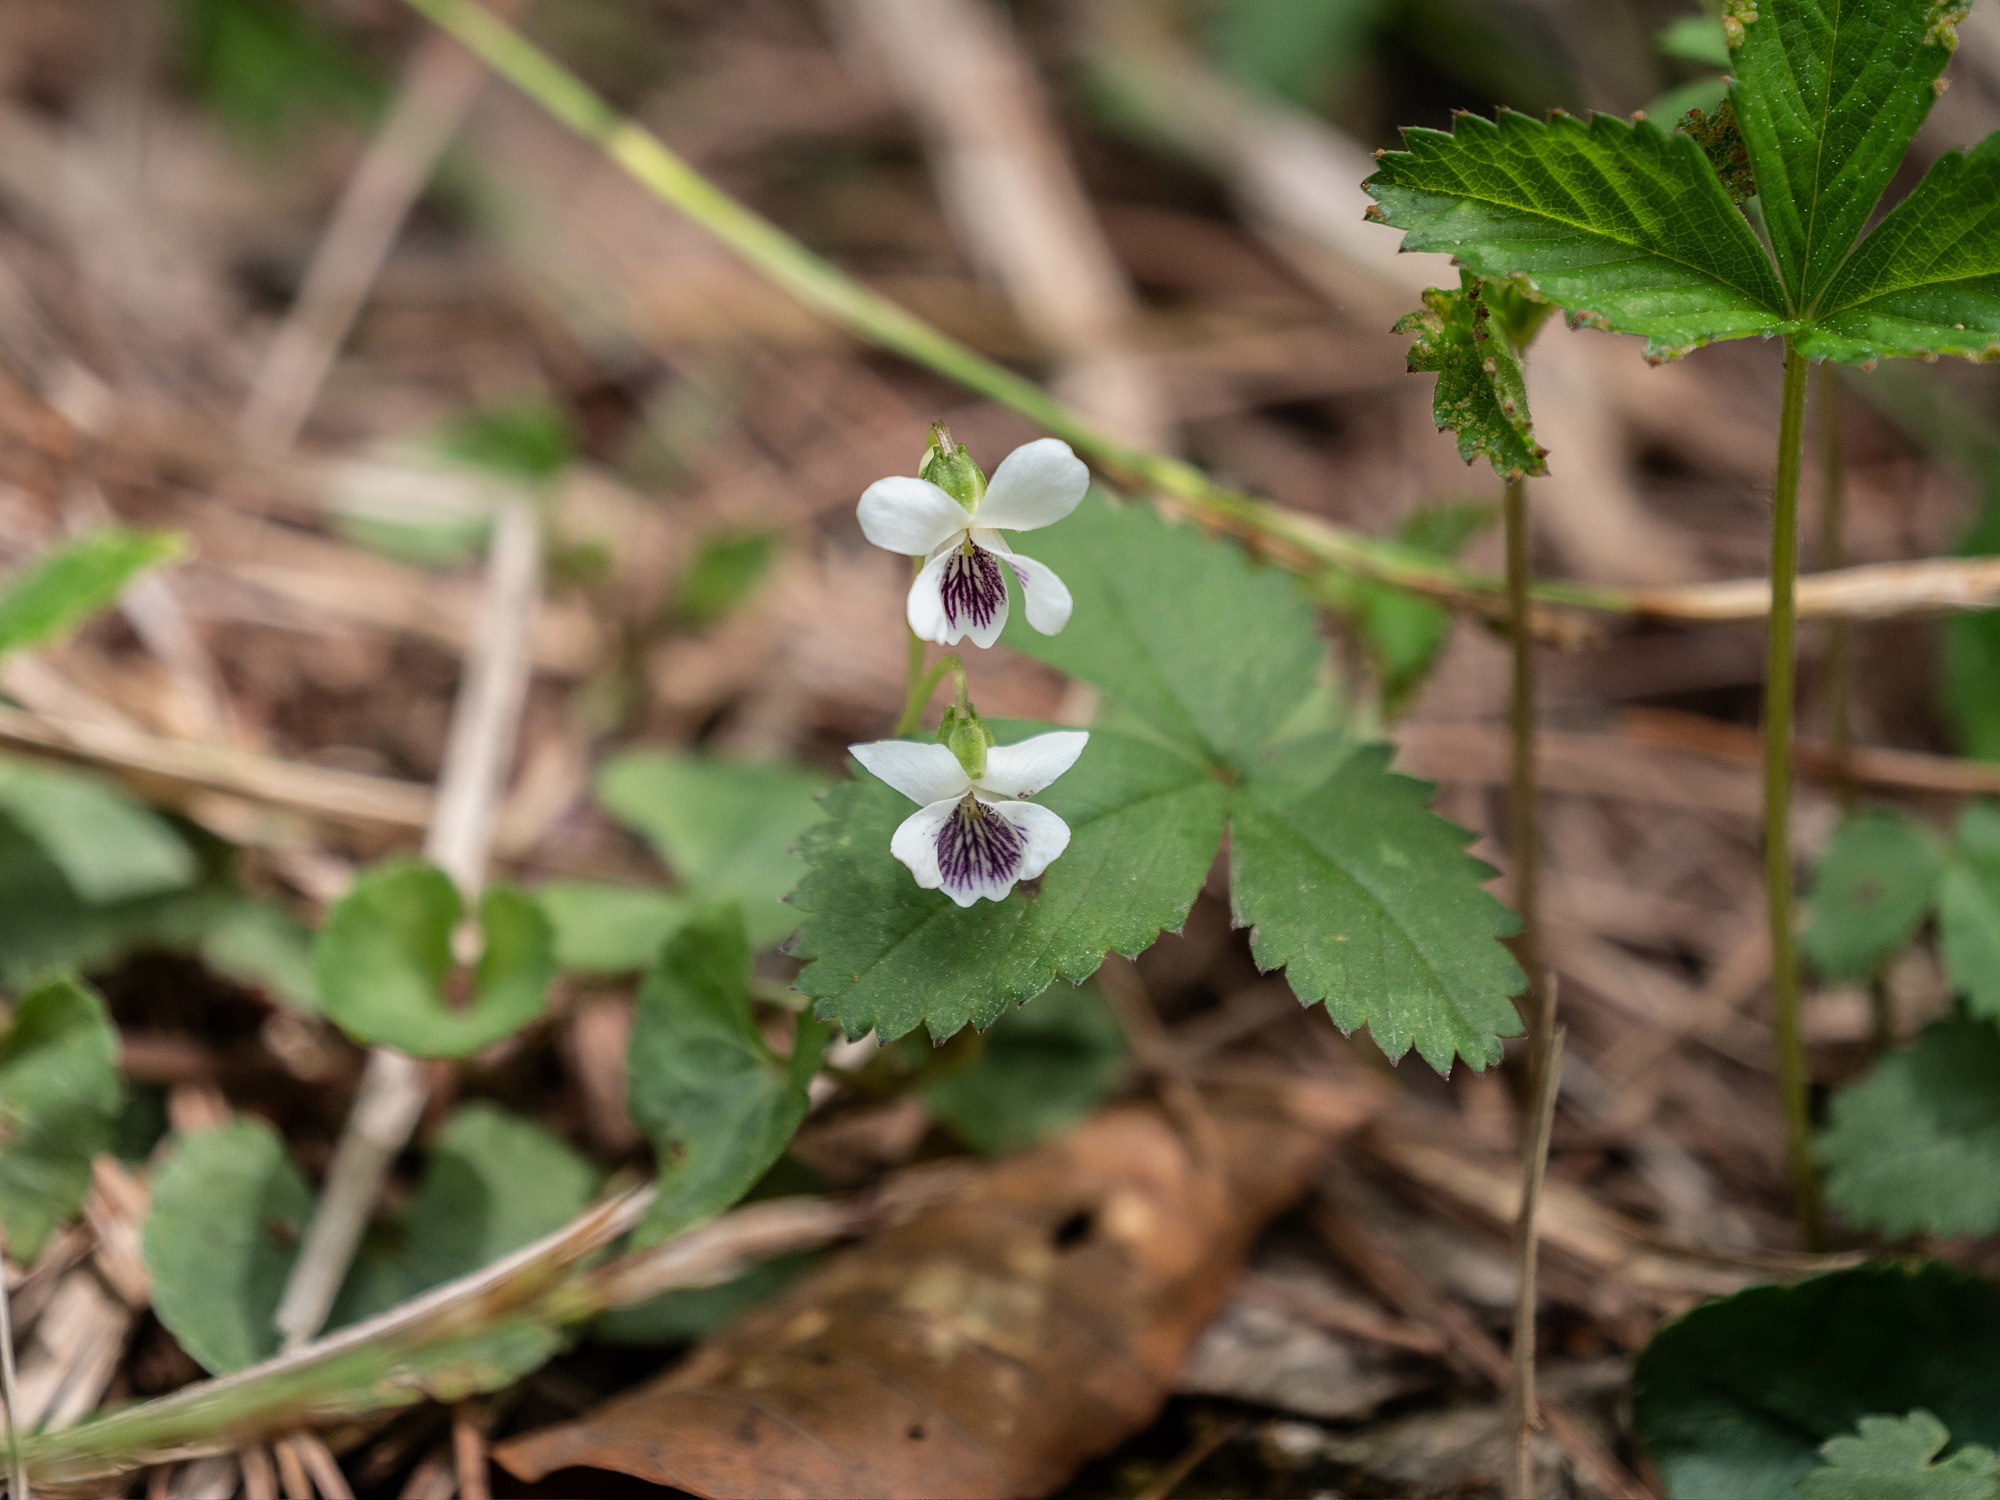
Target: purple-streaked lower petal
x,y
910,516
1022,769
915,841
1036,485
980,852
1045,596
961,593
922,770
1043,834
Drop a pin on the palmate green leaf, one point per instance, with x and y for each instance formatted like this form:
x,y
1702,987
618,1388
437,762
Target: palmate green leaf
x,y
1829,94
108,846
1926,281
1736,1398
885,955
728,830
385,958
718,1104
1899,1456
1369,902
1189,635
1482,391
72,582
1915,1146
1870,892
1611,218
1969,910
1043,1068
59,1100
228,1208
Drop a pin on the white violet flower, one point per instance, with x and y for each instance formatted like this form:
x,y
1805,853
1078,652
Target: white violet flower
x,y
962,589
967,838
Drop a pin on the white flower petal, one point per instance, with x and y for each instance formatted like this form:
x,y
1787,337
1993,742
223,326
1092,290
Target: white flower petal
x,y
1045,596
1036,485
960,594
916,841
1043,835
922,770
910,516
980,852
1024,769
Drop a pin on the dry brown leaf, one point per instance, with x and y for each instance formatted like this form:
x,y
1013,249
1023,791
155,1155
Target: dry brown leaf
x,y
984,1348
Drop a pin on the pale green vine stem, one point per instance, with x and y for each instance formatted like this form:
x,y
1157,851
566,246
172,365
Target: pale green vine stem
x,y
1779,693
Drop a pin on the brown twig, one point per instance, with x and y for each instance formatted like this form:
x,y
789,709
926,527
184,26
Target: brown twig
x,y
468,1451
1905,770
10,1392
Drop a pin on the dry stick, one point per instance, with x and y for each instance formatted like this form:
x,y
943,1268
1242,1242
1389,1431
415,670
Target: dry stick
x,y
10,1393
485,722
1780,672
1547,1076
439,85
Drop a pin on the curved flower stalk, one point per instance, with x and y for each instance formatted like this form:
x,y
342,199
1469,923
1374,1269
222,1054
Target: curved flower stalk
x,y
951,519
971,836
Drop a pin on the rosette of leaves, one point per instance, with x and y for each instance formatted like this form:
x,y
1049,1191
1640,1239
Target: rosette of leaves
x,y
1207,662
1629,226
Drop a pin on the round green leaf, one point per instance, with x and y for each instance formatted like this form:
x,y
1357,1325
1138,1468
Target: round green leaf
x,y
1870,892
384,961
1736,1398
59,1100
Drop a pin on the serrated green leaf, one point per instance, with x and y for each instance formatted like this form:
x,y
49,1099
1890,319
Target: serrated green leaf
x,y
228,1208
1896,1456
1189,634
1870,893
1969,910
1482,391
1926,281
1914,1147
383,961
108,846
602,928
1607,217
59,1103
1829,94
1735,1398
728,830
719,1106
1043,1068
70,583
1370,903
888,956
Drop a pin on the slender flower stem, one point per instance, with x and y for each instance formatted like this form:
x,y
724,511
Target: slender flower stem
x,y
1780,676
1524,846
1522,1403
923,684
915,691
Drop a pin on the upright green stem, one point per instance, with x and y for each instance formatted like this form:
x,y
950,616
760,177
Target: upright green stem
x,y
1840,648
1524,846
1780,691
916,691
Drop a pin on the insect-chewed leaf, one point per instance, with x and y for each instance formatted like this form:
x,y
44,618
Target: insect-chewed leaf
x,y
1870,892
1899,1456
719,1105
1043,1068
1969,910
1209,647
59,1098
1829,94
228,1209
1915,1146
884,954
1371,904
1482,393
726,829
1736,1398
108,846
385,957
1607,217
1926,281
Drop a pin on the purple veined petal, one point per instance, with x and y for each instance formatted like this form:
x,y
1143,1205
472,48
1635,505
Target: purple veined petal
x,y
925,609
1043,835
980,852
910,516
1022,769
922,770
1036,485
972,595
1045,596
915,841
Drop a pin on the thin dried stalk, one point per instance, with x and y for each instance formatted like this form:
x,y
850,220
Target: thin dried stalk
x,y
1523,1408
10,1393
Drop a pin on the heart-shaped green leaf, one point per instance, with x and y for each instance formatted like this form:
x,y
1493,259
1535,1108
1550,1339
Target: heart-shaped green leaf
x,y
59,1099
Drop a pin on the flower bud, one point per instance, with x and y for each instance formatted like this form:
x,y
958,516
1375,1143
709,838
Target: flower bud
x,y
950,467
968,738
